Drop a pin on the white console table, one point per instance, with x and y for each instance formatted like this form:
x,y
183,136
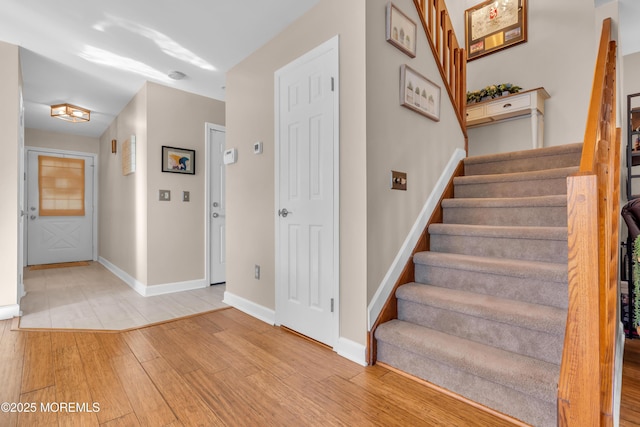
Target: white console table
x,y
521,104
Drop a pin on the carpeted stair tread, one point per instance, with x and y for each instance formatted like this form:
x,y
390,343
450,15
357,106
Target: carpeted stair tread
x,y
522,373
507,202
548,244
516,176
526,160
517,184
510,232
521,280
516,211
554,272
535,317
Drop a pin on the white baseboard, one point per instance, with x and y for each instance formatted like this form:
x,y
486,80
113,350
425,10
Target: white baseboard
x,y
147,291
9,311
389,280
136,285
168,288
351,350
251,308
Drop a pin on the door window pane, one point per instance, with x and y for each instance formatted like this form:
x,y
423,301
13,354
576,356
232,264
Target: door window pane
x,y
61,185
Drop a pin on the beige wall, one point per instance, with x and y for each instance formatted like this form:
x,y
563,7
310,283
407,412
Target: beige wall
x,y
176,229
10,87
250,182
559,56
399,139
61,141
156,242
122,218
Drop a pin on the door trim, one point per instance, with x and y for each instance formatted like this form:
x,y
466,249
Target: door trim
x,y
94,156
208,127
332,44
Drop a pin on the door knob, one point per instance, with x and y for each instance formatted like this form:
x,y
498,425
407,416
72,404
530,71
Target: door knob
x,y
216,215
284,212
32,217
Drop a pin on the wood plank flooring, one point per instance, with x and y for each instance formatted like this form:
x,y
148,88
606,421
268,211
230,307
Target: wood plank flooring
x,y
630,403
222,368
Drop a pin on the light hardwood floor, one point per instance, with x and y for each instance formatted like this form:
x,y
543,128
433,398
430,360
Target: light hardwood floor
x,y
630,404
219,368
223,368
91,297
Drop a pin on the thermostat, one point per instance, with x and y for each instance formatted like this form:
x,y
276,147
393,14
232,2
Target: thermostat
x,y
257,147
230,156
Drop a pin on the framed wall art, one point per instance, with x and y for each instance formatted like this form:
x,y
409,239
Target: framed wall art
x,y
178,160
419,93
401,31
494,25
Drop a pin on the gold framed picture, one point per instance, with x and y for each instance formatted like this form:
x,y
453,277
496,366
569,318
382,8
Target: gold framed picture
x,y
494,25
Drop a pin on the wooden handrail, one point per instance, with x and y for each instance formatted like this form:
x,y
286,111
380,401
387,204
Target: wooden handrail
x,y
450,57
585,388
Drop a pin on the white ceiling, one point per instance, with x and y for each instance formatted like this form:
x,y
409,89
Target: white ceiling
x,y
85,53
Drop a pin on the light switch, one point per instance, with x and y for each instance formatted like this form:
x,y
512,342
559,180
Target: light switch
x,y
257,147
164,195
185,196
398,180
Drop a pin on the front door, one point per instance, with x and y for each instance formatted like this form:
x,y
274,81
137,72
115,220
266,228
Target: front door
x,y
60,207
306,185
217,218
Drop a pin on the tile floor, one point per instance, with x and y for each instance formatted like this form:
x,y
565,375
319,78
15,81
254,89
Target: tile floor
x,y
91,297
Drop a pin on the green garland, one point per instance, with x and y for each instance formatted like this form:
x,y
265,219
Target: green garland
x,y
492,91
636,281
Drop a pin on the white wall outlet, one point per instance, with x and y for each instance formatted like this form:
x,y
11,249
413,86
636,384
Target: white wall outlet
x,y
257,147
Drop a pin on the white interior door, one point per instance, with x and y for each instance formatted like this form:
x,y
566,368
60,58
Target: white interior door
x,y
56,230
21,208
217,228
306,185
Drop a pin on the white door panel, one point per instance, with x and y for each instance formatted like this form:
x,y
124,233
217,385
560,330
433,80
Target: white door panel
x,y
217,228
56,239
306,238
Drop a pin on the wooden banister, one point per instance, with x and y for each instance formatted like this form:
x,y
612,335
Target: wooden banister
x,y
585,388
450,57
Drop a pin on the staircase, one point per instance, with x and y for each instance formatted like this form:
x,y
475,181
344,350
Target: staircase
x,y
485,317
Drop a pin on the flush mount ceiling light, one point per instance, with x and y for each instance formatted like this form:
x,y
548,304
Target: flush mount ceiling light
x,y
70,113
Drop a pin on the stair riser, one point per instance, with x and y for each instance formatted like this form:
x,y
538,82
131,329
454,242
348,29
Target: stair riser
x,y
541,187
555,216
523,165
508,337
532,290
538,412
497,247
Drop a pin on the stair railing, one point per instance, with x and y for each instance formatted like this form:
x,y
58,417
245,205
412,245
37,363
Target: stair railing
x,y
451,58
585,388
